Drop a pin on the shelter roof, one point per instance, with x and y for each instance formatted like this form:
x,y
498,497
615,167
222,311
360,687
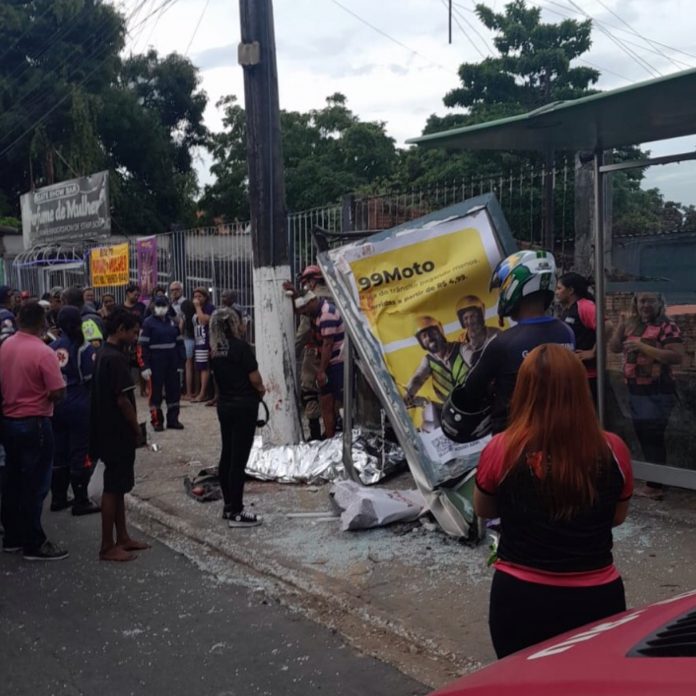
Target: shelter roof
x,y
653,110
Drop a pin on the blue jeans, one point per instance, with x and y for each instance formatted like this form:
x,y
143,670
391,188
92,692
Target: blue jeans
x,y
26,480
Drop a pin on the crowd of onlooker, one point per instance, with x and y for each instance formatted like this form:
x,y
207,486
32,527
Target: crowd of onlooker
x,y
69,366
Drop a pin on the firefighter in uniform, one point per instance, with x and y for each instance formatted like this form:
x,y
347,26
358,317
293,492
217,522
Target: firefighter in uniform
x,y
163,357
308,350
442,363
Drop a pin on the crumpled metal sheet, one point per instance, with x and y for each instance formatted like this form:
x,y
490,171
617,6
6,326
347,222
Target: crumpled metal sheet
x,y
322,462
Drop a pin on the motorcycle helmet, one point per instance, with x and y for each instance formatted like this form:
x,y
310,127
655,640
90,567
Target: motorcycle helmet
x,y
522,274
425,322
462,426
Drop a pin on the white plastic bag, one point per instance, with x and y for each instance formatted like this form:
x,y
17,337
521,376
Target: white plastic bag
x,y
364,507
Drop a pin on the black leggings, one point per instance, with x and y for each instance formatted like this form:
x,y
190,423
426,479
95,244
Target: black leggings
x,y
525,613
237,427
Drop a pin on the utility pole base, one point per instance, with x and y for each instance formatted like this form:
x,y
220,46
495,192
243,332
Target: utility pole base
x,y
275,353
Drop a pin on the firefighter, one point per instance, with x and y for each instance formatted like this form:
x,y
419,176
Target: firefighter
x,y
71,463
163,356
442,362
307,348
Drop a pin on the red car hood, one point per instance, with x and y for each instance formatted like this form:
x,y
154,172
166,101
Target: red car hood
x,y
592,661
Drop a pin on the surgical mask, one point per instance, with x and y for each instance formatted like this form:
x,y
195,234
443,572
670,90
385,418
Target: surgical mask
x,y
161,311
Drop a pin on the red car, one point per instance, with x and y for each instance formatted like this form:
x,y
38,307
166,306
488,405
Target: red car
x,y
641,652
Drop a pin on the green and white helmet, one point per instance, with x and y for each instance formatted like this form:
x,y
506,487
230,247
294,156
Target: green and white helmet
x,y
522,274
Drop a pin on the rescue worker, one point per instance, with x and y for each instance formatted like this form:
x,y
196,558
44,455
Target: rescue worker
x,y
308,348
471,312
92,324
442,362
71,462
163,356
8,320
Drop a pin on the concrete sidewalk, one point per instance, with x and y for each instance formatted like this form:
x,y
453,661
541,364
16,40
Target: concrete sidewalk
x,y
412,597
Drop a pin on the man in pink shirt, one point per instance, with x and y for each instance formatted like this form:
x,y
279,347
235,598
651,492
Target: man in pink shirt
x,y
31,382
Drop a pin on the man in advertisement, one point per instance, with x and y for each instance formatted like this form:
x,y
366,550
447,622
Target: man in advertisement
x,y
526,281
443,363
471,312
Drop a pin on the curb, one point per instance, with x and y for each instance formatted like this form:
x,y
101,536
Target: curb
x,y
370,630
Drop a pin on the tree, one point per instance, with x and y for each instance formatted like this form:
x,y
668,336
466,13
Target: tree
x,y
56,60
533,67
151,120
326,153
69,106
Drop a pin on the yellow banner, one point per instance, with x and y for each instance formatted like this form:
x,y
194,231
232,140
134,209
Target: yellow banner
x,y
109,265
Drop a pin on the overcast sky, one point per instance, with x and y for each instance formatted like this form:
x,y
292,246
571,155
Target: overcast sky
x,y
392,60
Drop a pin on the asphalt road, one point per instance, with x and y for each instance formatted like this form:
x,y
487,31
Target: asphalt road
x,y
163,625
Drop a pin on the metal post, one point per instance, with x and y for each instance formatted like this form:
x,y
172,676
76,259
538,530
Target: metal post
x,y
600,287
348,410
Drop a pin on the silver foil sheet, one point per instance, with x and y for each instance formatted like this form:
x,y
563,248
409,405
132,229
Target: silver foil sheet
x,y
321,462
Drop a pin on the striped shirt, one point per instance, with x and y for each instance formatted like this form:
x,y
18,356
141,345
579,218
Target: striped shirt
x,y
328,324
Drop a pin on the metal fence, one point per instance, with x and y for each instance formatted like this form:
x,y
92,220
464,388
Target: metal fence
x,y
518,192
220,257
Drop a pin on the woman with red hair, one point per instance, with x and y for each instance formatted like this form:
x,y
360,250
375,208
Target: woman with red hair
x,y
559,483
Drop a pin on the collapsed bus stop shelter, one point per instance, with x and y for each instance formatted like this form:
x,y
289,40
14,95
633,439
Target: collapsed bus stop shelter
x,y
659,109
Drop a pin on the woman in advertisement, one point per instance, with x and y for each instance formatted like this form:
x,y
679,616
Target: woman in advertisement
x,y
651,344
558,496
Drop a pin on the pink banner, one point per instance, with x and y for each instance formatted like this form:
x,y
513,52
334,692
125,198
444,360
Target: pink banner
x,y
147,266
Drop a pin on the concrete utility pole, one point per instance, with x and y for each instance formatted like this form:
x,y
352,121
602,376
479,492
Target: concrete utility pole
x,y
275,343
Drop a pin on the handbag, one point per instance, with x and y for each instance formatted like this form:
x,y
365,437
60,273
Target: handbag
x,y
263,415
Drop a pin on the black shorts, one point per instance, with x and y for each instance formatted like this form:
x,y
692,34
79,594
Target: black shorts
x,y
119,473
334,384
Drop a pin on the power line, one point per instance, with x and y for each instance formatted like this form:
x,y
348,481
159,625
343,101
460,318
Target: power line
x,y
456,17
468,38
608,25
604,70
35,96
488,47
581,60
47,113
654,72
24,33
195,31
388,36
633,31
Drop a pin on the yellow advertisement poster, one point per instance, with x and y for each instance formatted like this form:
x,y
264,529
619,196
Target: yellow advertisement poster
x,y
109,266
427,304
418,311
423,298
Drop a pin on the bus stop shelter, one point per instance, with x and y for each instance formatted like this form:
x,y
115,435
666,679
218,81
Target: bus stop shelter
x,y
659,109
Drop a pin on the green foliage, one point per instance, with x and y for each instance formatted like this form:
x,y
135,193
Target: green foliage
x,y
532,68
85,109
326,152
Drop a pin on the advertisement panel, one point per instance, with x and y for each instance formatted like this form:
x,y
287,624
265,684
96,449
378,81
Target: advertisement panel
x,y
146,248
417,306
109,266
74,209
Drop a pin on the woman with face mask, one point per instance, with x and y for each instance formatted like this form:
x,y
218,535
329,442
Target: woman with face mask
x,y
164,356
651,344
